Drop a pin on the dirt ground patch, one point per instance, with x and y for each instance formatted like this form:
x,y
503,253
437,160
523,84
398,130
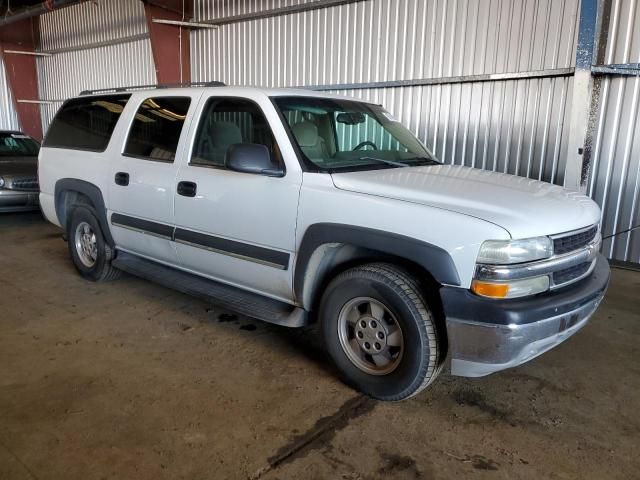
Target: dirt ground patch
x,y
131,380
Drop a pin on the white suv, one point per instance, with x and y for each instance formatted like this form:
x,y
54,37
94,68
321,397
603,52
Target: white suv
x,y
291,206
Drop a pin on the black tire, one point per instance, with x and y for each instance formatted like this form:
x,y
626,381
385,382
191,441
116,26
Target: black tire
x,y
101,270
400,294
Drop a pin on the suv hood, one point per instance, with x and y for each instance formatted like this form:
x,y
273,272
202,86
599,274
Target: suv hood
x,y
524,207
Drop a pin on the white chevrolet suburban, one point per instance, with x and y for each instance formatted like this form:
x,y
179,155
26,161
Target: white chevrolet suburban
x,y
293,206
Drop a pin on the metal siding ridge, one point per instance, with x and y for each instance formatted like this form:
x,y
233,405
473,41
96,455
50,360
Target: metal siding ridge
x,y
555,72
106,43
91,22
276,12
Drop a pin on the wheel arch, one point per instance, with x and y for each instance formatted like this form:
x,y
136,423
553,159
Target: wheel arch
x,y
71,191
327,249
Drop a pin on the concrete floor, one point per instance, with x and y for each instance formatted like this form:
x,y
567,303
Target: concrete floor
x,y
131,380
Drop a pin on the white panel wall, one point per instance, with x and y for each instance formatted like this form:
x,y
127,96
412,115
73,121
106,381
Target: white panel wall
x,y
66,74
92,22
95,45
206,9
379,40
615,169
8,115
514,126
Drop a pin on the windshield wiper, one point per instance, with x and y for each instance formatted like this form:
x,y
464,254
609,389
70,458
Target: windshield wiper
x,y
424,160
382,160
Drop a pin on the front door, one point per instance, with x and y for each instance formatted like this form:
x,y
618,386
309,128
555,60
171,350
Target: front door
x,y
143,178
237,228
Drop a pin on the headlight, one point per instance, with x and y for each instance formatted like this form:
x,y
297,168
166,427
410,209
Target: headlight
x,y
1,182
506,252
511,289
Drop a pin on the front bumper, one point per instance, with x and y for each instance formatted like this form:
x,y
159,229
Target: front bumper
x,y
486,336
18,201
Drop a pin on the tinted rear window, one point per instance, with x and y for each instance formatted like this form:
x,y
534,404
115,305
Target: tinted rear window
x,y
86,123
156,128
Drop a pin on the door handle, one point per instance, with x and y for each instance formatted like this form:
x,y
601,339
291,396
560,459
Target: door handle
x,y
187,189
122,178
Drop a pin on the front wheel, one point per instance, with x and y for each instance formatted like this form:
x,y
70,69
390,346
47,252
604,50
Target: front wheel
x,y
380,332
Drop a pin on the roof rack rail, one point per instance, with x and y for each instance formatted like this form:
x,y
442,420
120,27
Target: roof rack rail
x,y
153,86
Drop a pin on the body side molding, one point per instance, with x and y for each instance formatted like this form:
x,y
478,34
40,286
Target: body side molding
x,y
143,226
224,246
234,248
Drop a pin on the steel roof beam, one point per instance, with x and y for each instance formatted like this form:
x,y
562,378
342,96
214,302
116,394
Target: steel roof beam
x,y
36,10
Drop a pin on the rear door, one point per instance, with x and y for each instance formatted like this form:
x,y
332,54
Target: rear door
x,y
238,228
143,175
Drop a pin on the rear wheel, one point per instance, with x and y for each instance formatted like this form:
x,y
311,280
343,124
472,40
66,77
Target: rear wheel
x,y
89,251
380,332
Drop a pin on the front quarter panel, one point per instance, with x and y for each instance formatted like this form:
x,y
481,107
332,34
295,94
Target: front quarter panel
x,y
457,234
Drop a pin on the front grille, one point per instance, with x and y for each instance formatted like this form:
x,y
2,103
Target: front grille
x,y
566,275
575,241
26,183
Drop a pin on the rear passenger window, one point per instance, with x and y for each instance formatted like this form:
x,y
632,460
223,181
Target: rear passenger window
x,y
226,121
86,123
156,128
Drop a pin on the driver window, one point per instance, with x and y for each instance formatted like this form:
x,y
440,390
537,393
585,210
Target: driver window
x,y
225,122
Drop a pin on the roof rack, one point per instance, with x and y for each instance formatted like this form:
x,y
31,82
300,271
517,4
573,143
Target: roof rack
x,y
151,87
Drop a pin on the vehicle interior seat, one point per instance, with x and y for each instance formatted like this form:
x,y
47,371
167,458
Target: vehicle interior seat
x,y
162,154
311,143
220,137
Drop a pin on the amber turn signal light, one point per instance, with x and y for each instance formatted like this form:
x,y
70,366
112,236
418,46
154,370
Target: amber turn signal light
x,y
493,290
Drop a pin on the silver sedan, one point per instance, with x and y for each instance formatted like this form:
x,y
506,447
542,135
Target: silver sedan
x,y
18,172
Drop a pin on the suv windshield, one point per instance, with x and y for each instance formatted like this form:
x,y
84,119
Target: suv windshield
x,y
337,135
14,144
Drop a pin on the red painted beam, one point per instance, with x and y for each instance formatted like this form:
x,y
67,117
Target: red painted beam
x,y
169,44
22,74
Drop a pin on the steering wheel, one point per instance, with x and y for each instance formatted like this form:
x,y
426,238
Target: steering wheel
x,y
365,144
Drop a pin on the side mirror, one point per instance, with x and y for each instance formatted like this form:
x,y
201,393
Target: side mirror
x,y
252,158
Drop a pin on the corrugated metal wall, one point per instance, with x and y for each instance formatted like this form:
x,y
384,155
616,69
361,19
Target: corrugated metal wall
x,y
90,23
8,116
226,8
615,172
379,40
514,126
94,45
513,121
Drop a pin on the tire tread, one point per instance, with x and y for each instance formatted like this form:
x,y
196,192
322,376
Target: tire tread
x,y
405,285
108,271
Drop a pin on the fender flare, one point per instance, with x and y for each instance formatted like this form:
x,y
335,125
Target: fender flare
x,y
434,259
93,193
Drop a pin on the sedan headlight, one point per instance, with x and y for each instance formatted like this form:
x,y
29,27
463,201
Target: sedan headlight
x,y
1,182
507,252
